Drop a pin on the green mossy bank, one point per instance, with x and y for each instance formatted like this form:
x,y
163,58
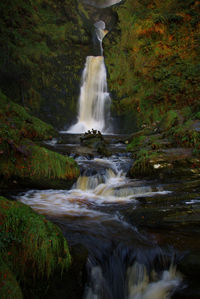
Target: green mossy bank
x,y
152,58
23,162
32,252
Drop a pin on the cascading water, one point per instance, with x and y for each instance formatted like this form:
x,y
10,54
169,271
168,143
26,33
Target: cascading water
x,y
122,262
94,100
101,3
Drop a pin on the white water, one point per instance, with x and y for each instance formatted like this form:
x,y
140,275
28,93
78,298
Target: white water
x,y
100,33
101,3
94,100
140,284
92,206
89,192
153,286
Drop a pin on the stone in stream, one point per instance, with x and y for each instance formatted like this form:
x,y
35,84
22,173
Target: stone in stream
x,y
94,140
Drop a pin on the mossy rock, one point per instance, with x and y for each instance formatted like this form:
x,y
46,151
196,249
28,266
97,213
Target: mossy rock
x,y
37,167
24,163
165,163
95,141
33,248
9,287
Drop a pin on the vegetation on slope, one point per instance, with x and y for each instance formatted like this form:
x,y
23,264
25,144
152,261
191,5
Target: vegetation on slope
x,y
43,45
153,59
32,249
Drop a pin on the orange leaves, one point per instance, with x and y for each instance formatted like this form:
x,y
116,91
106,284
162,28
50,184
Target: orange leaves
x,y
158,28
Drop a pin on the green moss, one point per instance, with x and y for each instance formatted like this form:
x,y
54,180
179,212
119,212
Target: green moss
x,y
18,121
9,287
135,143
197,115
30,245
141,165
22,159
183,135
169,120
36,163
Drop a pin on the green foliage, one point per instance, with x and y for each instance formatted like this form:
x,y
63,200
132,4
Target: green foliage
x,y
141,165
183,135
197,115
32,247
169,120
135,143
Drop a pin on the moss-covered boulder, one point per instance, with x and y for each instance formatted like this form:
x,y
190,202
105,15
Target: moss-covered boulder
x,y
32,250
165,163
22,161
9,287
95,140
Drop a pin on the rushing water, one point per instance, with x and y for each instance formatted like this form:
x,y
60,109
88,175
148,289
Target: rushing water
x,y
122,262
101,3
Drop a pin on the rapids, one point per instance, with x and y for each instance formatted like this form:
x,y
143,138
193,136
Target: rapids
x,y
122,261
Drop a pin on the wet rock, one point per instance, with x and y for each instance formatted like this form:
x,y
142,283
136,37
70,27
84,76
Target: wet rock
x,y
94,140
165,162
72,283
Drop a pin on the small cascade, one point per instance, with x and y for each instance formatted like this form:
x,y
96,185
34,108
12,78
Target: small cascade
x,y
94,99
101,3
111,186
100,33
122,262
132,275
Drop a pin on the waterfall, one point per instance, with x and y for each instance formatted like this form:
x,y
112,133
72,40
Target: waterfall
x,y
101,3
94,99
100,33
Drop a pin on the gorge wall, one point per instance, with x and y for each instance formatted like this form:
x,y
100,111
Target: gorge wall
x,y
152,57
43,46
42,53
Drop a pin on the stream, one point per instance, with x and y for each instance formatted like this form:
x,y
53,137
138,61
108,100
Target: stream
x,y
117,219
142,236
